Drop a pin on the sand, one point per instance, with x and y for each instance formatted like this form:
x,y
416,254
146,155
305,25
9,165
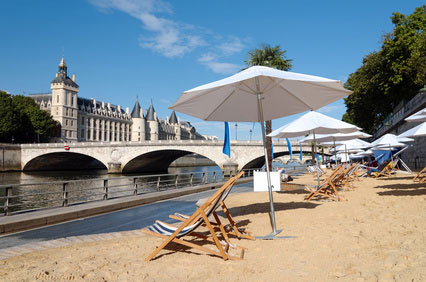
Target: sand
x,y
376,234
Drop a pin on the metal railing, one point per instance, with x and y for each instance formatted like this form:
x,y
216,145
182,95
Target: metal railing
x,y
34,196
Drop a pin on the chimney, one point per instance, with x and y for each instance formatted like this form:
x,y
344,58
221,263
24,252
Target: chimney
x,y
127,110
73,77
119,108
103,104
109,105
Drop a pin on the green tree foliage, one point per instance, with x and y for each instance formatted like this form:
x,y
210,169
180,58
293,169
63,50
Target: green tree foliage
x,y
21,119
391,75
272,57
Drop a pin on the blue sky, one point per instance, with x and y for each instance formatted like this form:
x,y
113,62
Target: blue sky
x,y
120,49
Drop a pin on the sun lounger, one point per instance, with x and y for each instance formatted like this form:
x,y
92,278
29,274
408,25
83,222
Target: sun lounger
x,y
188,227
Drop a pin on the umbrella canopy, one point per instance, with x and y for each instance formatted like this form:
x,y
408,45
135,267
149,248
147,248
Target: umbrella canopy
x,y
390,140
417,117
258,94
419,130
313,122
235,98
335,137
355,144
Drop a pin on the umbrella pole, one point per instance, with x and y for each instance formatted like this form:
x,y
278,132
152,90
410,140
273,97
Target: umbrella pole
x,y
335,153
315,157
268,174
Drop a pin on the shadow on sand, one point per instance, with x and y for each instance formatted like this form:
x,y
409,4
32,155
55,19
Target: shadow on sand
x,y
266,208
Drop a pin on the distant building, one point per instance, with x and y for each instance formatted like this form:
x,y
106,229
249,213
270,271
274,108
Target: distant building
x,y
84,119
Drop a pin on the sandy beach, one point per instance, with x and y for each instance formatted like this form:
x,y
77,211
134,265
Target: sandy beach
x,y
376,234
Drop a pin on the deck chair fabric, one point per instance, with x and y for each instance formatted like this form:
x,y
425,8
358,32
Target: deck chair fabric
x,y
188,227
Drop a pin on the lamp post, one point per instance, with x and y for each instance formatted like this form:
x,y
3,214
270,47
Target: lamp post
x,y
236,131
251,131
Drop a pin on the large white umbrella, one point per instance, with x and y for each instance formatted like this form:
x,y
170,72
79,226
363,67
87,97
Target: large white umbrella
x,y
320,138
336,137
419,130
418,116
258,94
390,140
313,123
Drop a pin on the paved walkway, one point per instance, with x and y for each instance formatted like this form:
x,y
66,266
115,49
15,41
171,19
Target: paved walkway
x,y
127,222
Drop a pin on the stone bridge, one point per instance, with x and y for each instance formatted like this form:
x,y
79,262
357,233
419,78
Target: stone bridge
x,y
144,156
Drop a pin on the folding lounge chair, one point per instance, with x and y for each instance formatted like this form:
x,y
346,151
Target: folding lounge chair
x,y
386,169
230,228
175,234
327,188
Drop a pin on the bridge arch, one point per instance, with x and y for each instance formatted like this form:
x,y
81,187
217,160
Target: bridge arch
x,y
259,161
156,161
63,161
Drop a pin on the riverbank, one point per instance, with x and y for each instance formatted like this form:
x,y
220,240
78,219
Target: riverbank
x,y
376,234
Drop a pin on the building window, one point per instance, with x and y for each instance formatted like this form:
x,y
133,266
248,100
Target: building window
x,y
72,100
57,99
82,121
82,134
66,122
72,123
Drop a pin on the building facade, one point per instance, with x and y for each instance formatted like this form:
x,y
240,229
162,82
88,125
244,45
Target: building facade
x,y
84,119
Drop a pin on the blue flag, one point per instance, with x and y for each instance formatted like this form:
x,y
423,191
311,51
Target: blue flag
x,y
272,150
301,152
290,152
226,143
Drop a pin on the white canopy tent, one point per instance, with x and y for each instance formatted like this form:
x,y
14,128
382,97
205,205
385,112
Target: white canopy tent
x,y
258,94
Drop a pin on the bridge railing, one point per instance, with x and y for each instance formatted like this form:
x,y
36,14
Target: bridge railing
x,y
34,196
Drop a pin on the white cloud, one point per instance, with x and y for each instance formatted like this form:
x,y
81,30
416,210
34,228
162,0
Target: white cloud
x,y
234,45
173,39
211,61
169,38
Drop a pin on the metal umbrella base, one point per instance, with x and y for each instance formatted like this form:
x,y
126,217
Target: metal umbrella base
x,y
273,236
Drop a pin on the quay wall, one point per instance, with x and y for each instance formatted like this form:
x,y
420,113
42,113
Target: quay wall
x,y
10,157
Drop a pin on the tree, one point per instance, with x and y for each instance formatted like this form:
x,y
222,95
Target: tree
x,y
21,119
272,57
390,76
7,122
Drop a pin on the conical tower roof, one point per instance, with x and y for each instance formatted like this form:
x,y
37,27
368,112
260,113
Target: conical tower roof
x,y
150,113
173,119
136,112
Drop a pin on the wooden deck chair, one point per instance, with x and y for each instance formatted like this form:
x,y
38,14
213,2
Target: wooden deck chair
x,y
229,229
387,170
175,234
327,188
421,176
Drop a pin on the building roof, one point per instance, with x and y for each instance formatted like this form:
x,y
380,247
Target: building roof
x,y
150,113
136,112
173,119
62,76
89,105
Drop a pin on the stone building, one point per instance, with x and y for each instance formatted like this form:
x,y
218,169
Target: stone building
x,y
84,119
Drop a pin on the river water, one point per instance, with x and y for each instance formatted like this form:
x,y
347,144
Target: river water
x,y
89,185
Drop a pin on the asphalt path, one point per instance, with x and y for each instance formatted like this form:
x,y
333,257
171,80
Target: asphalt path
x,y
123,220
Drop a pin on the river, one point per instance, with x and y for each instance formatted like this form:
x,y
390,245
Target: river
x,y
89,185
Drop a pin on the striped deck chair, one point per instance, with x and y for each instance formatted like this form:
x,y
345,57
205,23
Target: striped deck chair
x,y
387,169
327,188
172,233
229,229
